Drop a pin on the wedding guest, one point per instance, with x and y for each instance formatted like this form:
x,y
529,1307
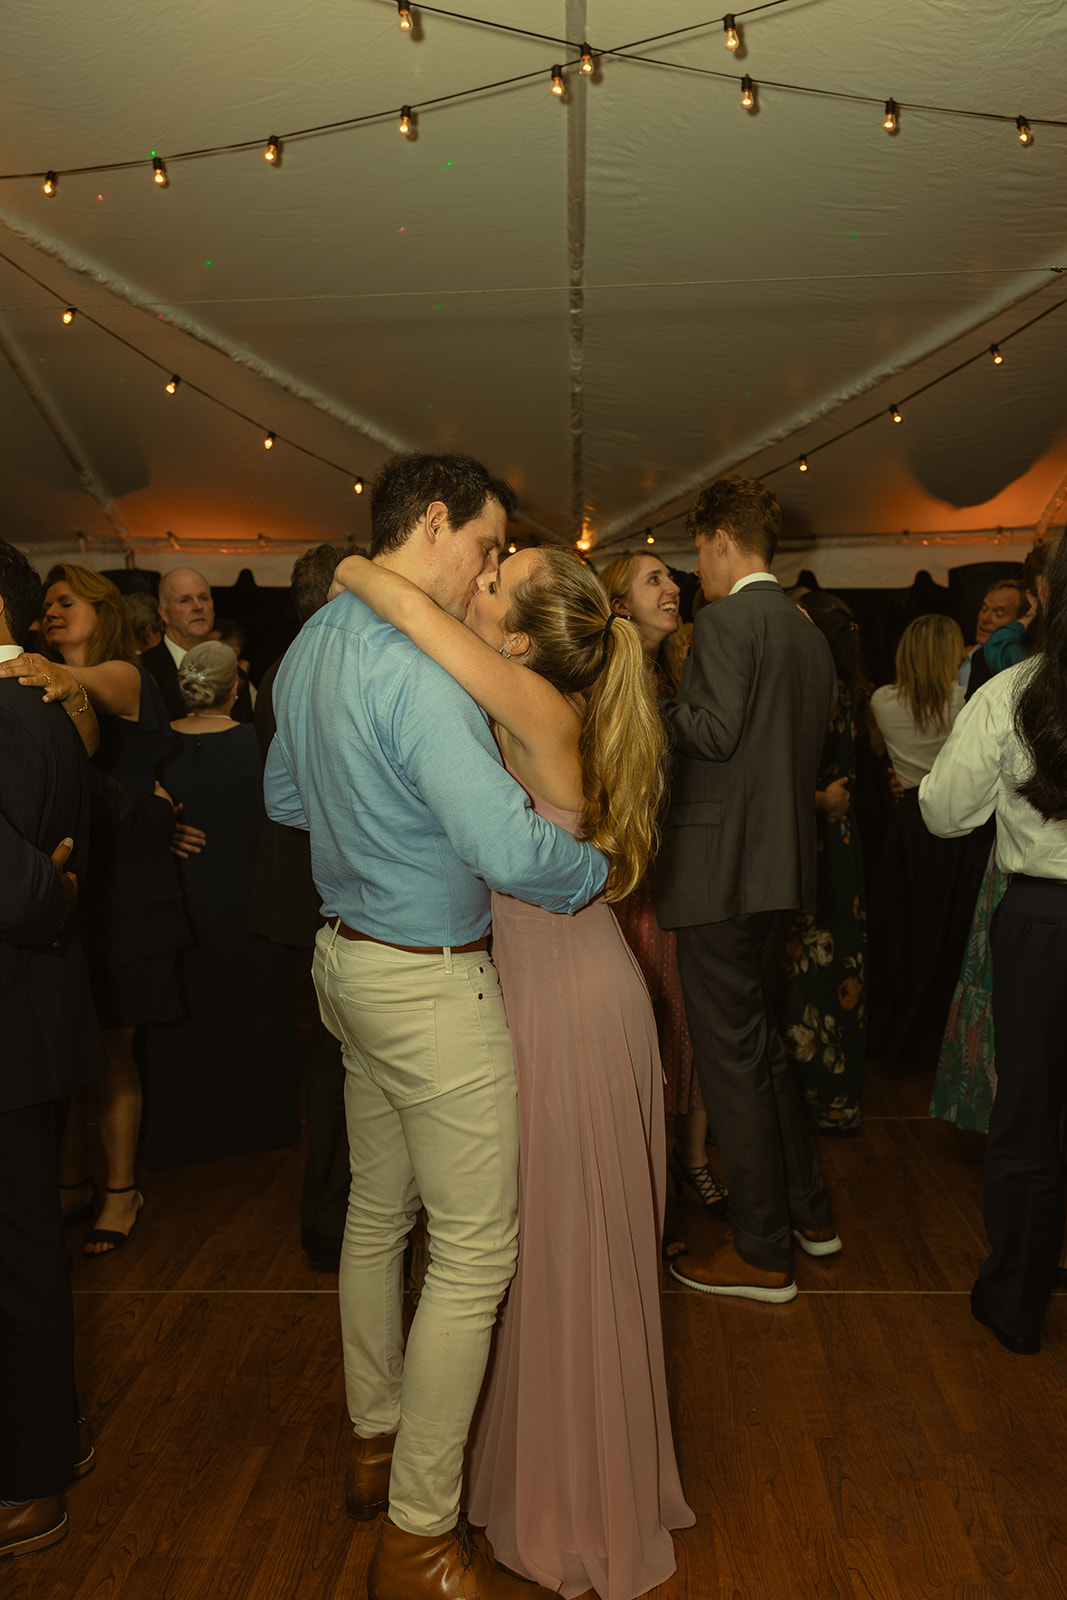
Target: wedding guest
x,y
738,860
1006,757
641,588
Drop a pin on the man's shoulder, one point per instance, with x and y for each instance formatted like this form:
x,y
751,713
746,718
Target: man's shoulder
x,y
22,707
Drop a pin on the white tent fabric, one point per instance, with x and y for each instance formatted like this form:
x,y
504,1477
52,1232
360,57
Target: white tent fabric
x,y
611,298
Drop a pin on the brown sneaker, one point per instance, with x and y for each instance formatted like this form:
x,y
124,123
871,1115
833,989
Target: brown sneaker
x,y
446,1566
726,1273
367,1476
34,1526
818,1241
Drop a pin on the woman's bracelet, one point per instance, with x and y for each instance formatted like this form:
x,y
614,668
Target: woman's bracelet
x,y
78,710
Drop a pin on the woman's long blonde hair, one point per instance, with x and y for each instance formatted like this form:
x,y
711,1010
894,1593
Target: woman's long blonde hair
x,y
582,648
112,638
927,661
618,578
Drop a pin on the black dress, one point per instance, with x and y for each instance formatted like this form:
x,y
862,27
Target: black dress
x,y
130,909
224,1080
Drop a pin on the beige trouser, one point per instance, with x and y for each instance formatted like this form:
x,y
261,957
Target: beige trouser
x,y
430,1105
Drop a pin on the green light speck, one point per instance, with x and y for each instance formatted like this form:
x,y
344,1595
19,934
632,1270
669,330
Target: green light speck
x,y
450,163
430,406
209,263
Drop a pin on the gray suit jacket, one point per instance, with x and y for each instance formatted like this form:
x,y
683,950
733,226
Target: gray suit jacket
x,y
753,709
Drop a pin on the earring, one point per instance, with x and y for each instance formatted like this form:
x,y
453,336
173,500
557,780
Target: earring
x,y
505,653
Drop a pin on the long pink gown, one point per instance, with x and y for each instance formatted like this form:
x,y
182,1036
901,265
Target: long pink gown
x,y
571,1465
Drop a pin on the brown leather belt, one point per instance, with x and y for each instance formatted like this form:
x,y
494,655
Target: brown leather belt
x,y
345,932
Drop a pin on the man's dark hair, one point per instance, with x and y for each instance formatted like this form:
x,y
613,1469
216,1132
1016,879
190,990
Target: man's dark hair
x,y
742,507
313,573
408,484
21,589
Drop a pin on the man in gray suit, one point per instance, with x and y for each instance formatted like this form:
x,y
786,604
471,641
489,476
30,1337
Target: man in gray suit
x,y
738,859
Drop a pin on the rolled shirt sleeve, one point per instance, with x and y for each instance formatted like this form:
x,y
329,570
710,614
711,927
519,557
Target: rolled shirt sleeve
x,y
960,791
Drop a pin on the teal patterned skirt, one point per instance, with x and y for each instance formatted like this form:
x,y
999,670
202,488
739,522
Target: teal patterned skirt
x,y
966,1078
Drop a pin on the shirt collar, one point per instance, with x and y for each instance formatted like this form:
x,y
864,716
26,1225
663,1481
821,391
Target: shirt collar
x,y
753,577
8,652
177,653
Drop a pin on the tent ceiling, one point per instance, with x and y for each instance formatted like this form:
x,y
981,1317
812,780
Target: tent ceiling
x,y
610,298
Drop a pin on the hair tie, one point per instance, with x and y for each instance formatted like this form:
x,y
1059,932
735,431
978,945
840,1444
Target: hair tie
x,y
607,628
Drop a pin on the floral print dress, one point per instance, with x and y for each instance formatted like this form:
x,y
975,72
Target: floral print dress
x,y
823,1004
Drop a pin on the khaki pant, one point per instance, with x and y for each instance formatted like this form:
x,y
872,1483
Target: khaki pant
x,y
430,1106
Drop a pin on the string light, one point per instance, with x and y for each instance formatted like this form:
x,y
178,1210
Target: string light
x,y
358,486
174,384
268,443
273,152
512,549
159,171
890,122
586,64
405,121
50,184
731,37
403,16
557,81
650,537
747,96
894,412
802,464
1025,136
994,351
69,314
583,544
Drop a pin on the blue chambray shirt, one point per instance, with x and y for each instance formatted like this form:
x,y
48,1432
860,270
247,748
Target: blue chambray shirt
x,y
391,767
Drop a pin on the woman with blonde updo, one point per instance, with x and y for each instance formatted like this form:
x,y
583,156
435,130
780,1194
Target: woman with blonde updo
x,y
571,1462
640,588
223,1080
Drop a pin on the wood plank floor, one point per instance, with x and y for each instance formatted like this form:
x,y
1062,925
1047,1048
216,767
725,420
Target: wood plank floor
x,y
869,1440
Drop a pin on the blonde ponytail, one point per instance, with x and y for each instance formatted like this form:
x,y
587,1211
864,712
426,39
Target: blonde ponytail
x,y
584,649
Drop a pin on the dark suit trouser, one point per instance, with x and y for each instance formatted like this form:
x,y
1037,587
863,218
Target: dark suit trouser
x,y
1023,1202
730,973
324,1201
37,1400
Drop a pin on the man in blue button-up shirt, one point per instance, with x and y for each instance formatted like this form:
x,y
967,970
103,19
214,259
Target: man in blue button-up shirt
x,y
413,819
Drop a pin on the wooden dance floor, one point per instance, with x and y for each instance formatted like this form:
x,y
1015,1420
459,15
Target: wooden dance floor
x,y
869,1440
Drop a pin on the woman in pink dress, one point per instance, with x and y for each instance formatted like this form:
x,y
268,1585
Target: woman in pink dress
x,y
571,1462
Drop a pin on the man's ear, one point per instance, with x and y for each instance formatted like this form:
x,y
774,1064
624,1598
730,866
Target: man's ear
x,y
435,521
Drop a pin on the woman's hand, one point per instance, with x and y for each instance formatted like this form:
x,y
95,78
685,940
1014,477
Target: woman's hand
x,y
346,576
58,682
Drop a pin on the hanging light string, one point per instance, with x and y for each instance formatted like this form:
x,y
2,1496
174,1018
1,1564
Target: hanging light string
x,y
626,52
184,383
800,462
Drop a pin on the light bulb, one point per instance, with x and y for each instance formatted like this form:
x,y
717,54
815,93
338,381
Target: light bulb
x,y
895,414
802,464
747,97
512,549
557,81
1025,136
889,122
273,152
995,353
650,537
405,120
69,314
404,17
731,37
586,64
358,486
159,171
172,386
50,184
268,443
584,543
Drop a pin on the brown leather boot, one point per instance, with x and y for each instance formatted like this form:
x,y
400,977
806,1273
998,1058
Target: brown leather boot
x,y
726,1272
367,1476
34,1526
447,1566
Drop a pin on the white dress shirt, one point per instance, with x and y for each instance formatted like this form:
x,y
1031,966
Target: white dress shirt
x,y
178,655
753,577
976,774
